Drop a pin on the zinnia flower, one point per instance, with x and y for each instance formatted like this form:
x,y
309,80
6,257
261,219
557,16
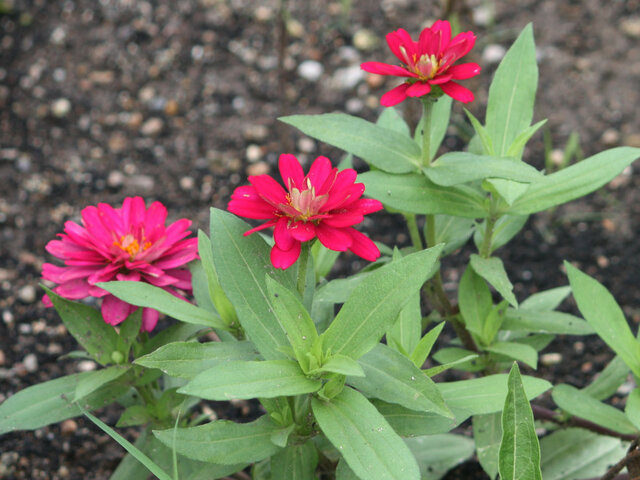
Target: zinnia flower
x,y
427,62
325,203
127,243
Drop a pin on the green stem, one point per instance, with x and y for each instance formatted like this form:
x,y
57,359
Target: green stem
x,y
302,267
485,248
427,109
414,232
146,394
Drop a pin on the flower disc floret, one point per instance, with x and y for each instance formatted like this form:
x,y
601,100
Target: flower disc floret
x,y
127,243
428,62
325,204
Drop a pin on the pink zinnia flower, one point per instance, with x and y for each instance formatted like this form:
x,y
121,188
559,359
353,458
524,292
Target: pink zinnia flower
x,y
325,203
429,61
127,243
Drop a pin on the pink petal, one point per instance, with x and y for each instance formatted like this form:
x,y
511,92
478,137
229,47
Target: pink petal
x,y
281,235
458,48
424,42
114,310
177,259
457,92
154,221
400,38
363,246
73,289
440,79
268,224
386,69
418,89
464,71
285,258
268,189
129,276
333,238
290,171
255,209
441,31
183,276
394,96
57,274
344,197
302,231
320,171
133,210
47,301
149,319
92,220
343,218
366,205
344,179
105,274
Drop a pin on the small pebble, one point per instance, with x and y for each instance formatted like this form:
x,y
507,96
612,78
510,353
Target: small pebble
x,y
63,472
610,137
140,182
171,108
86,365
258,168
493,53
549,359
152,127
68,427
3,358
61,107
310,70
306,145
365,40
254,153
30,363
187,183
58,36
632,140
257,133
631,26
348,77
115,179
27,294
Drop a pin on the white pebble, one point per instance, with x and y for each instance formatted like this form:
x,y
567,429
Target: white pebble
x,y
30,363
493,53
310,70
61,107
27,294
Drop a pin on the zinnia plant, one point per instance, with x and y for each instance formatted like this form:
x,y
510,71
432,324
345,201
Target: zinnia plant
x,y
427,63
325,204
126,243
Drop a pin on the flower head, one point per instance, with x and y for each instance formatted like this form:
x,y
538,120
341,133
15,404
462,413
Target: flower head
x,y
126,243
325,204
427,62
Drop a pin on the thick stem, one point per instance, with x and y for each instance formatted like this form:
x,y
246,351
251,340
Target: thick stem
x,y
485,248
302,267
414,232
427,109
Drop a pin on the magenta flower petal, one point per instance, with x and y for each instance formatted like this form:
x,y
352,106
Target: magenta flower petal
x,y
291,171
285,258
463,71
457,92
114,310
363,246
418,89
394,96
386,69
149,319
268,189
320,171
333,238
281,236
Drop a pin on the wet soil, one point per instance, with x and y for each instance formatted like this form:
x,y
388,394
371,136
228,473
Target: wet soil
x,y
177,102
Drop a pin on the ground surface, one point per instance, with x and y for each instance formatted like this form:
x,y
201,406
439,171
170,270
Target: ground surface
x,y
177,101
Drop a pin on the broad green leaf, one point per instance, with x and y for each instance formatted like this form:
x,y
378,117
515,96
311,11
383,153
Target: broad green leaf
x,y
87,327
415,193
545,322
516,148
481,134
516,351
546,300
455,168
487,433
364,438
392,377
504,230
296,462
512,93
437,454
519,457
50,402
424,346
632,408
200,287
440,115
175,333
146,295
538,341
133,416
385,149
343,365
462,359
492,270
223,442
96,379
339,289
453,231
241,263
603,313
474,299
580,404
607,383
374,304
576,453
574,181
410,423
493,323
392,120
343,472
238,379
188,359
433,371
293,317
405,332
507,190
486,394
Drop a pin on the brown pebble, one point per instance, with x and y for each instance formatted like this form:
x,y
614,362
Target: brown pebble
x,y
171,108
609,225
3,359
68,427
586,367
603,262
258,168
374,81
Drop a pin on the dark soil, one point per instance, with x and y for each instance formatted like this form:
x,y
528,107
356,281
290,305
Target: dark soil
x,y
177,101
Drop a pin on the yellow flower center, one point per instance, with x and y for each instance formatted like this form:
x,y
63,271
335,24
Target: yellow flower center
x,y
131,245
306,202
426,66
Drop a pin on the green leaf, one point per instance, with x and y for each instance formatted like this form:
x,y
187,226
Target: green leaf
x,y
545,322
241,263
486,394
505,229
188,359
607,383
238,379
339,289
547,300
392,120
455,168
175,333
574,181
487,433
87,327
422,350
462,359
392,377
223,442
576,453
493,323
50,402
343,472
580,404
437,454
376,302
296,462
507,190
415,193
133,416
293,317
482,134
129,330
512,93
516,148
410,423
440,115
364,438
343,365
96,379
520,451
492,270
385,149
323,259
453,232
632,408
467,360
603,313
474,299
405,332
516,351
146,295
